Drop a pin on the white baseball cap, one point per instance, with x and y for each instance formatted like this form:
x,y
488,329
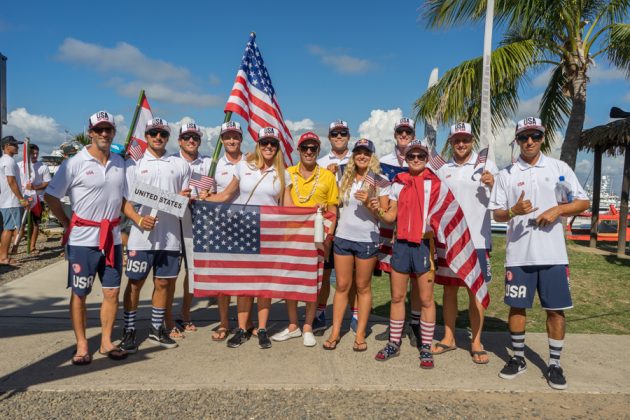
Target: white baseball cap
x,y
190,127
269,133
102,118
460,128
231,126
338,125
157,123
529,123
405,123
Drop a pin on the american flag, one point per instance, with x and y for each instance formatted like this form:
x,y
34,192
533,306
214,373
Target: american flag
x,y
446,219
482,157
260,251
388,171
202,182
137,143
376,180
436,161
254,98
137,148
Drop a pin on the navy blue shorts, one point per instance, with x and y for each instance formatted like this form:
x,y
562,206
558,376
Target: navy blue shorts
x,y
362,250
551,282
85,262
408,257
165,264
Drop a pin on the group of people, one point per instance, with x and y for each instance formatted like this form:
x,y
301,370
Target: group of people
x,y
382,223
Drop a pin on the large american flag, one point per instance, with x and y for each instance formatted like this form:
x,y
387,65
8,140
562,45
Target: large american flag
x,y
446,219
254,98
261,251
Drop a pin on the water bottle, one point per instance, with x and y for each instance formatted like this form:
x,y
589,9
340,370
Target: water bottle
x,y
563,191
319,226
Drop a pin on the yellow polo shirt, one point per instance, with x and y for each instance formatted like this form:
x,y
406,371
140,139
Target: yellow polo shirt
x,y
326,191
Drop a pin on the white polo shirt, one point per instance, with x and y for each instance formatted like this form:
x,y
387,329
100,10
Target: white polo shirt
x,y
530,245
392,159
169,173
39,174
333,158
267,193
201,165
225,172
357,222
473,196
8,167
95,190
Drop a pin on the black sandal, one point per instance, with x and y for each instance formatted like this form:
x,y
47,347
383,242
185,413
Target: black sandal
x,y
115,354
332,343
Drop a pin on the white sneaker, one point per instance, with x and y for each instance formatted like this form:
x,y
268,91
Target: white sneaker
x,y
309,339
285,334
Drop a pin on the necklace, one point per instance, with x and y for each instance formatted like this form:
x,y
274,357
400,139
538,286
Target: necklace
x,y
301,198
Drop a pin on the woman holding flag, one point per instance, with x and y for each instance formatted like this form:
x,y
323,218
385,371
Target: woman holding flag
x,y
356,241
259,180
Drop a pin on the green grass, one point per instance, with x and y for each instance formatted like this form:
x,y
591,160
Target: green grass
x,y
600,287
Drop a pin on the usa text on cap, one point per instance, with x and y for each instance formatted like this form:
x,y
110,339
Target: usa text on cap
x,y
268,133
364,144
158,123
416,144
405,123
529,123
101,118
309,135
338,125
231,126
460,128
190,127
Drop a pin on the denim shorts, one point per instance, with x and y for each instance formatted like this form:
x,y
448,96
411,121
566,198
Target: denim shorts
x,y
362,250
12,217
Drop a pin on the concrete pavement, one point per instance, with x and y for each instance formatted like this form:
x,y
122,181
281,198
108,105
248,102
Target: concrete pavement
x,y
36,342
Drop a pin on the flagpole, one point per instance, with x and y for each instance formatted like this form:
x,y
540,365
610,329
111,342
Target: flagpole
x,y
217,148
485,130
134,121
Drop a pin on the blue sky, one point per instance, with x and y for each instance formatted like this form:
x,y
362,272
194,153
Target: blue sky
x,y
362,61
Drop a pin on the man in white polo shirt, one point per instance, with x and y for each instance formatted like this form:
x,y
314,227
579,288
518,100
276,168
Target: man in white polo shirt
x,y
95,182
338,136
470,181
524,195
12,202
160,251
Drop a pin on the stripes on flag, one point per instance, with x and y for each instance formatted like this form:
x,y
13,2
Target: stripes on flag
x,y
436,161
203,182
253,98
482,156
376,180
259,251
137,148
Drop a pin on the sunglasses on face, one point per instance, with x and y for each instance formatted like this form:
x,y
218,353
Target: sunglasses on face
x,y
338,133
406,131
161,133
416,156
187,137
305,149
533,136
101,130
268,142
465,140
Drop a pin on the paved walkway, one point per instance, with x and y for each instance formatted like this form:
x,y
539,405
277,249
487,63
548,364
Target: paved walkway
x,y
36,342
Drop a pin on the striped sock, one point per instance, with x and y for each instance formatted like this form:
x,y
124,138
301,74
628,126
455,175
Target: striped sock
x,y
555,348
355,312
518,343
415,317
157,316
320,310
130,320
395,330
427,329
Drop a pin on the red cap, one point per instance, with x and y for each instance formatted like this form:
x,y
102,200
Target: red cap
x,y
309,135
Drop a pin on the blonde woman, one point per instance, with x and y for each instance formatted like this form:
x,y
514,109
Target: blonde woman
x,y
260,180
356,241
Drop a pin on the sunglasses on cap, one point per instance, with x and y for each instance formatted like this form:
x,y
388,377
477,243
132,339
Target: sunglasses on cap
x,y
534,136
339,133
268,142
100,130
407,131
187,137
410,157
162,133
313,148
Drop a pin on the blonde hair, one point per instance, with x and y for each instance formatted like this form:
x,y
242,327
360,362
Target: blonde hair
x,y
255,160
350,174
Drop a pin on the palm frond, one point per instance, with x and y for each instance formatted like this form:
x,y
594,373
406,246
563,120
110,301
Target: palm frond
x,y
614,11
619,46
554,107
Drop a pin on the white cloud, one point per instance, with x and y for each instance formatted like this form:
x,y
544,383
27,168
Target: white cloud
x,y
379,128
542,79
302,125
214,80
598,74
129,70
341,63
41,129
528,107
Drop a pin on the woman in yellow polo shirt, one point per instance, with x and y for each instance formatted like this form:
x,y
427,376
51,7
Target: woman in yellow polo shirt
x,y
312,186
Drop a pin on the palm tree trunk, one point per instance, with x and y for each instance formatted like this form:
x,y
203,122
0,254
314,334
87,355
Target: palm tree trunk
x,y
571,143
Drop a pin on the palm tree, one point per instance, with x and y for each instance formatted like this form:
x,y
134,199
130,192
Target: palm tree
x,y
82,138
560,36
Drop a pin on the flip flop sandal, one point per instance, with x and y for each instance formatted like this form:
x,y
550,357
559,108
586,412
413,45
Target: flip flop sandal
x,y
359,347
186,326
331,344
86,359
9,262
221,334
176,334
479,353
115,354
444,347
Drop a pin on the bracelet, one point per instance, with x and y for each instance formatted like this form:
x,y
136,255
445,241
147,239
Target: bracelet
x,y
140,221
380,212
510,213
329,237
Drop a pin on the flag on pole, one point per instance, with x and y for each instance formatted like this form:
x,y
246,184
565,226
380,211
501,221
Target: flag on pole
x,y
260,251
253,97
376,180
138,143
436,161
482,156
202,182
